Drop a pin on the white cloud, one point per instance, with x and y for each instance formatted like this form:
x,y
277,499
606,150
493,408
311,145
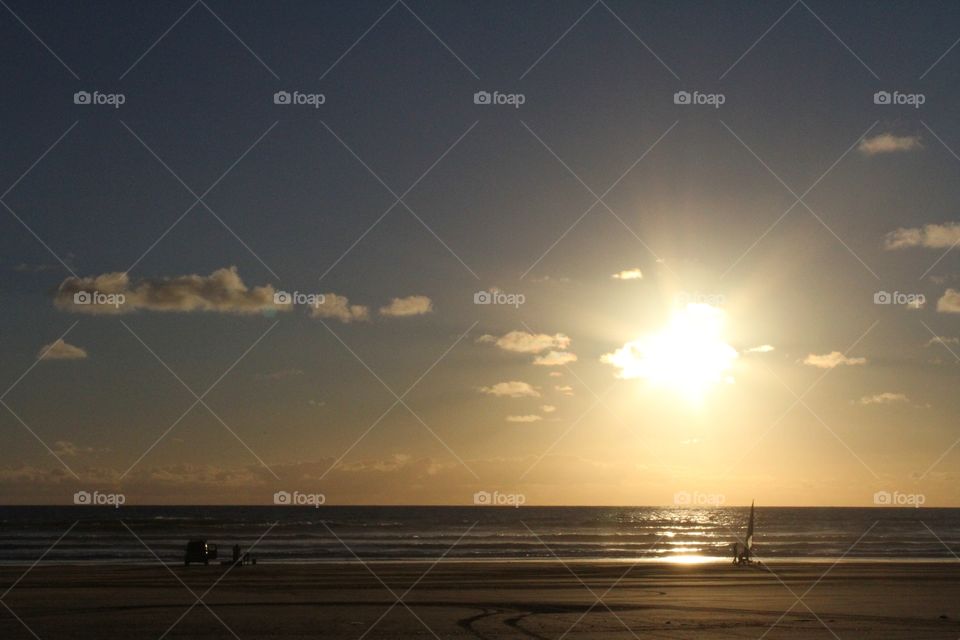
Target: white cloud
x,y
831,360
555,374
888,143
764,348
566,389
887,397
222,291
930,236
511,389
524,342
944,340
339,308
548,408
409,306
555,359
525,418
949,302
628,274
61,350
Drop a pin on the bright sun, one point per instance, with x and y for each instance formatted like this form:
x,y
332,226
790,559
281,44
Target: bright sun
x,y
688,356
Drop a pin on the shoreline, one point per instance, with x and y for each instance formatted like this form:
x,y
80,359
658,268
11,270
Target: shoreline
x,y
672,562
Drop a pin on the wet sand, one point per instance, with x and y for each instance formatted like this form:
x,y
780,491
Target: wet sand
x,y
482,600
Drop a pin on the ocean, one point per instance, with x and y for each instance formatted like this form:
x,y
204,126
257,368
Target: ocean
x,y
306,534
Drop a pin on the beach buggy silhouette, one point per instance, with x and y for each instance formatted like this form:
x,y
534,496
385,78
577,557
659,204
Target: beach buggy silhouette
x,y
741,550
199,551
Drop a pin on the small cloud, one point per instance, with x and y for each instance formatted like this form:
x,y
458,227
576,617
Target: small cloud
x,y
525,342
886,397
339,308
511,389
566,389
61,350
316,403
930,236
831,360
555,359
548,408
889,143
628,274
526,418
949,302
555,374
409,306
764,348
279,375
67,449
943,340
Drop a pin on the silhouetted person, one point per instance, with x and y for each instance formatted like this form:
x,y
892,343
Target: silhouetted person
x,y
236,554
739,553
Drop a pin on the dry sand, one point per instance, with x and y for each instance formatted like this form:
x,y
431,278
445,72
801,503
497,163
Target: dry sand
x,y
482,600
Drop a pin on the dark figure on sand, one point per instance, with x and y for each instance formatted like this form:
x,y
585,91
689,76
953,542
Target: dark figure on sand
x,y
741,550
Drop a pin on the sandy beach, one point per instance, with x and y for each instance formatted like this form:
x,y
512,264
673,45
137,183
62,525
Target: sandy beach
x,y
483,600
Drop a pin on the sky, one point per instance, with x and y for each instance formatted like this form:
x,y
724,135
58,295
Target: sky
x,y
592,254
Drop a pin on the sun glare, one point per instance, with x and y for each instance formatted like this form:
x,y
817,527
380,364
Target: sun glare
x,y
689,356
